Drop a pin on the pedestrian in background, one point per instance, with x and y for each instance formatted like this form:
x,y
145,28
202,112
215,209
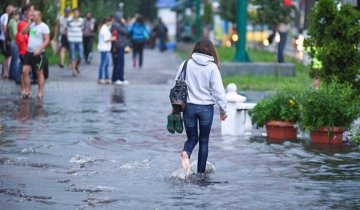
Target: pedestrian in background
x,y
74,29
104,47
88,36
283,32
139,34
12,31
205,88
161,30
60,27
22,42
4,42
120,31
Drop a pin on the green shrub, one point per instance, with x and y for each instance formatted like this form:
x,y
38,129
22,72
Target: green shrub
x,y
334,105
282,106
334,41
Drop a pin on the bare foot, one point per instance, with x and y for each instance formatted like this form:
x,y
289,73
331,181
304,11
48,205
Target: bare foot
x,y
185,162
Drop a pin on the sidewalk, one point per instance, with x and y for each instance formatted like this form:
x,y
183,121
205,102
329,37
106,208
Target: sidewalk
x,y
158,68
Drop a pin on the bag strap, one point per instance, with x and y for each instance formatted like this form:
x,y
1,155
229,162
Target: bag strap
x,y
183,71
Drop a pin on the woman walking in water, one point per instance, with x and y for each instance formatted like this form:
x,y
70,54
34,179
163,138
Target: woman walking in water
x,y
205,88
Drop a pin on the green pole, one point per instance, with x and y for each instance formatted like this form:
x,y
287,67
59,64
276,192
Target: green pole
x,y
198,21
241,13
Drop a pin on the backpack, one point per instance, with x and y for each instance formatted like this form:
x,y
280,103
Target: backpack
x,y
139,32
178,94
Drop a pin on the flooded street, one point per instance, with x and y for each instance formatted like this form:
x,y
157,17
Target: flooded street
x,y
89,146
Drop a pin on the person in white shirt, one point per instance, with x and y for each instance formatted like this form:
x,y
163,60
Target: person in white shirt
x,y
104,47
205,88
39,38
60,28
5,44
74,29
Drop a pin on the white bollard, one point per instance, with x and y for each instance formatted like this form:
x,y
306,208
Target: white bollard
x,y
238,120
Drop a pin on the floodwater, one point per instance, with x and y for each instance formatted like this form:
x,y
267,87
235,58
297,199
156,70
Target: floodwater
x,y
109,149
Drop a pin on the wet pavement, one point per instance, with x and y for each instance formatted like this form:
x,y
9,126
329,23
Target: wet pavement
x,y
90,146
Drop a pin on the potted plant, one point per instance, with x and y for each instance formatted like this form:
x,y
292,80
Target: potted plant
x,y
278,113
328,111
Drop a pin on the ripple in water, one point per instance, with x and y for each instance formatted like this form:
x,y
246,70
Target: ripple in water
x,y
19,194
181,174
97,141
136,165
74,188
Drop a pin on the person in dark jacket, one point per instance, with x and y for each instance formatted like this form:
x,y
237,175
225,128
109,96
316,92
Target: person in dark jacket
x,y
119,31
139,35
161,30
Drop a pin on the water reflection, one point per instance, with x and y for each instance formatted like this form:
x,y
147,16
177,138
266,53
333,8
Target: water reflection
x,y
24,111
39,108
117,97
28,109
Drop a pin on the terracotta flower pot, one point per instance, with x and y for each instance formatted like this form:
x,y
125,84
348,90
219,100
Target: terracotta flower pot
x,y
320,136
280,130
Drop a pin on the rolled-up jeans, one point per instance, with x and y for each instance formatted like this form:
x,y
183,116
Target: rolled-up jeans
x,y
104,64
194,116
76,47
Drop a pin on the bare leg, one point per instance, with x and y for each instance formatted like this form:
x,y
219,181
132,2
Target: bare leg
x,y
26,79
73,68
40,76
62,55
185,162
6,67
77,66
22,84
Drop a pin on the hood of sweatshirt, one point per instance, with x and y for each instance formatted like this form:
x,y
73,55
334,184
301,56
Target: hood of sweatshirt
x,y
118,16
21,25
202,59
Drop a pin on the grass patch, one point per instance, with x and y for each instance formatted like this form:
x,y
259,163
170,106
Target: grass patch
x,y
261,82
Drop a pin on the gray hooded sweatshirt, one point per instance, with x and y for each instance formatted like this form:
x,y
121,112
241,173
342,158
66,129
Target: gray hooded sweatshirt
x,y
121,30
203,78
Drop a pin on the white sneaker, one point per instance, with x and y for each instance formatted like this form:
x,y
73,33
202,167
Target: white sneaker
x,y
119,82
125,82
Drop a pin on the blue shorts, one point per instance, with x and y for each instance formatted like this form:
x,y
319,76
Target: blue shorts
x,y
76,47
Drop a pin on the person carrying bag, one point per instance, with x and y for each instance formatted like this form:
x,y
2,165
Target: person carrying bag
x,y
178,97
204,89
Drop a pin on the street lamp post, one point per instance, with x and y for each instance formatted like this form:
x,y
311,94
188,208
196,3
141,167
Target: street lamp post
x,y
241,13
198,21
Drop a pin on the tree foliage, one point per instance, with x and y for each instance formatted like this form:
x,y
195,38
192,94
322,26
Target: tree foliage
x,y
270,12
273,12
334,40
48,8
101,8
228,10
208,14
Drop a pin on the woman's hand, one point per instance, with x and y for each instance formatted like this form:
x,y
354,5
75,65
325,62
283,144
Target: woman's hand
x,y
223,116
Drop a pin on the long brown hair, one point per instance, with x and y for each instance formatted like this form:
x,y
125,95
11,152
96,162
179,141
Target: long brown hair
x,y
205,46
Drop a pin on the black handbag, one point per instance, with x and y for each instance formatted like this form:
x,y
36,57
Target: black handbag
x,y
178,94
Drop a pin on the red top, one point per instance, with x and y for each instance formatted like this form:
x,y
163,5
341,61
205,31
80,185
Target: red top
x,y
21,39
